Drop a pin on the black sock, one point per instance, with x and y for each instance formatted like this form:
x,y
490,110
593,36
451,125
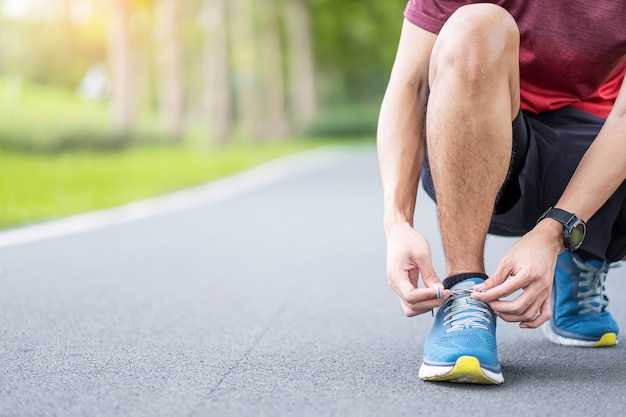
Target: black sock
x,y
455,279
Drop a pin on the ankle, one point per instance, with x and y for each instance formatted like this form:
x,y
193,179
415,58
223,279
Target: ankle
x,y
452,280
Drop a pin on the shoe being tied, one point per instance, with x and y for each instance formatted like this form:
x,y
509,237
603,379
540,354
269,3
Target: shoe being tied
x,y
461,346
579,302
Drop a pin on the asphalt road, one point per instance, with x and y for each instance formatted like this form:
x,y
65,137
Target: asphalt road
x,y
271,301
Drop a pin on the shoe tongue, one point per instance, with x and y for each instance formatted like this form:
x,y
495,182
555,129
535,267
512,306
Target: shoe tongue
x,y
467,284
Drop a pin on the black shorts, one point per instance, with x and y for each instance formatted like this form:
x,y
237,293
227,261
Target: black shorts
x,y
546,151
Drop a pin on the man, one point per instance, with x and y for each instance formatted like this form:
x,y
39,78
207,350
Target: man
x,y
514,114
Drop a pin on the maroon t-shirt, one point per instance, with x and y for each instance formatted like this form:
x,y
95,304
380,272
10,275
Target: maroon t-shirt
x,y
572,53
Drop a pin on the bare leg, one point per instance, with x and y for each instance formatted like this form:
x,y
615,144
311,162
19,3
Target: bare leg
x,y
474,80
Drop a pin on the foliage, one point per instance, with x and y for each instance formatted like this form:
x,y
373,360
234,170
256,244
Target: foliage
x,y
61,57
40,118
356,41
346,121
354,44
61,154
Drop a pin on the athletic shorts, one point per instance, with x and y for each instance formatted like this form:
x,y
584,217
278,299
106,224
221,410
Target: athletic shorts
x,y
546,151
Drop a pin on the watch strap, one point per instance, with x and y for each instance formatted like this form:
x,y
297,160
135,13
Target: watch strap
x,y
560,215
569,222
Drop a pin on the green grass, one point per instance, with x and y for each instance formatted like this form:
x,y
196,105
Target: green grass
x,y
36,187
60,156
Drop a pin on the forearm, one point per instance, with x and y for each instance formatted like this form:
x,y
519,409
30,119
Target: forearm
x,y
401,142
401,148
603,167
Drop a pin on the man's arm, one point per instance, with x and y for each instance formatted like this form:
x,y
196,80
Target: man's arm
x,y
603,167
401,125
531,260
401,148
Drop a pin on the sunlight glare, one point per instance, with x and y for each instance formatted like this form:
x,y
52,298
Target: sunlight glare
x,y
16,8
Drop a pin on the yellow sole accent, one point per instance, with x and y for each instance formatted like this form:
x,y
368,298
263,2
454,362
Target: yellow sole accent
x,y
607,340
466,370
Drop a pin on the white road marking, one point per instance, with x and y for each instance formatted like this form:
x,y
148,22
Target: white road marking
x,y
211,193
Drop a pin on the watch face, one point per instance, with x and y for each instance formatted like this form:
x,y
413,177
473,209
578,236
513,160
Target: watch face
x,y
577,235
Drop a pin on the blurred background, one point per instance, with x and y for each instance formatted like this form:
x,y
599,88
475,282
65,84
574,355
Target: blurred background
x,y
106,101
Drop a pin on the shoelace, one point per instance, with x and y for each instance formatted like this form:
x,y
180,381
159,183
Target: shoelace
x,y
463,312
593,298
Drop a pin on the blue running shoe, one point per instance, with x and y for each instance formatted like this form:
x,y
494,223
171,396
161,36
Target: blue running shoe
x,y
461,346
579,301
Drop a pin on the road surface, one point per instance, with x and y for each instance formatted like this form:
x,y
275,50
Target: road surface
x,y
270,300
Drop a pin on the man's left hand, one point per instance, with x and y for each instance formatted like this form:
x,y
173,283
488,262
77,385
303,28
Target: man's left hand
x,y
528,266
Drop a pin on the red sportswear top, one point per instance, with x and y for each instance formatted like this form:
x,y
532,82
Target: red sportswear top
x,y
572,53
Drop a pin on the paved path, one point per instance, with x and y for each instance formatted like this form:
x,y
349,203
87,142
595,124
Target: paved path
x,y
271,302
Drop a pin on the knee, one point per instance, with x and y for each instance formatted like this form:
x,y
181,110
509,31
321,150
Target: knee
x,y
476,41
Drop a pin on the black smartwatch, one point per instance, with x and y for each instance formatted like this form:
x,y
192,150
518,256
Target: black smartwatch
x,y
574,228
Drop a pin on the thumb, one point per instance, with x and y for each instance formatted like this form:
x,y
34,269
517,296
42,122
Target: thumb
x,y
500,275
429,276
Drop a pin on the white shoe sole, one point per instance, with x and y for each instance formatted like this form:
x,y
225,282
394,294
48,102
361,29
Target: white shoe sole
x,y
466,370
607,339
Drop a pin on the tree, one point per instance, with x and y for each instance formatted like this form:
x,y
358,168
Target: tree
x,y
302,80
170,86
122,66
270,70
218,89
244,65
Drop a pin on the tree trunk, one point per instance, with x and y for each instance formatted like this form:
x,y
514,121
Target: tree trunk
x,y
244,61
218,89
271,71
302,80
170,88
122,65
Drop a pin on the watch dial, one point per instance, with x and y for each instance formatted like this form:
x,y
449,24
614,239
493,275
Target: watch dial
x,y
577,235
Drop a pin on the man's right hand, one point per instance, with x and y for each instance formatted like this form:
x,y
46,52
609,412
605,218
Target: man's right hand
x,y
408,259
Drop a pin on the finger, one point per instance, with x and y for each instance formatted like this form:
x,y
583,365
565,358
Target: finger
x,y
411,310
402,287
524,308
419,295
517,306
407,309
413,277
545,312
525,316
429,276
502,272
437,285
403,284
502,290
